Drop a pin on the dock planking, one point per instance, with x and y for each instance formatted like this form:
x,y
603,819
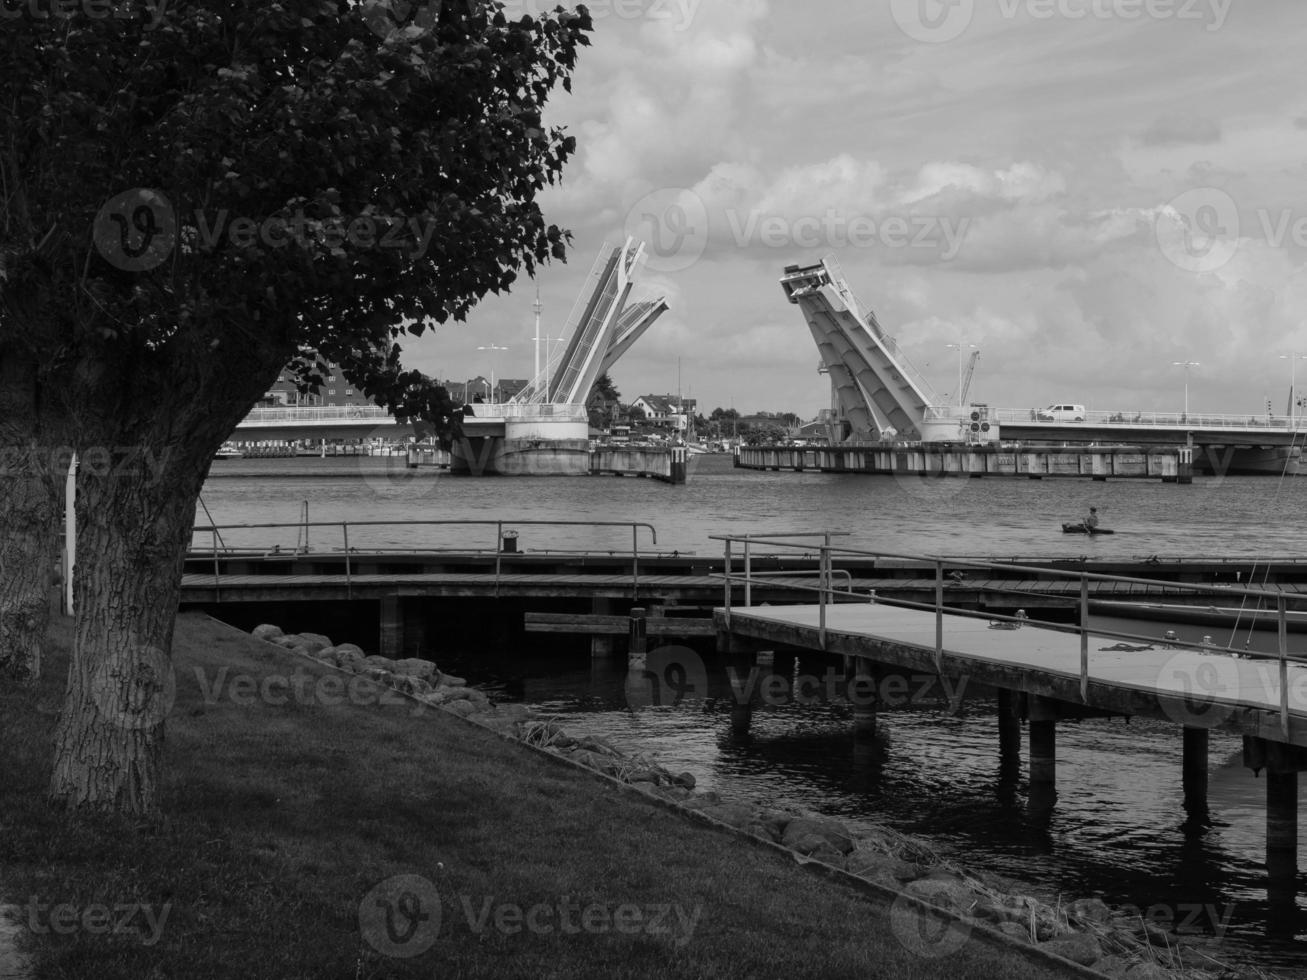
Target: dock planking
x,y
1241,693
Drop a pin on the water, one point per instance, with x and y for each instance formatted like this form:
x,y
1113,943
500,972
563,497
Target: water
x,y
1115,828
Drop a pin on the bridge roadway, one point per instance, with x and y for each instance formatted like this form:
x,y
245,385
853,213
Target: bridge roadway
x,y
1144,428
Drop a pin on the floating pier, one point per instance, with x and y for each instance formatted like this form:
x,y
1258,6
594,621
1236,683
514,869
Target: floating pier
x,y
1170,465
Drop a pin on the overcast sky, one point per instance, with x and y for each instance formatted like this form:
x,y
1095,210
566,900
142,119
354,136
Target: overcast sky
x,y
1087,190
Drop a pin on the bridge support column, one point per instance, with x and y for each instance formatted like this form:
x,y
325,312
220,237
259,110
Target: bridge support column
x,y
392,627
1194,778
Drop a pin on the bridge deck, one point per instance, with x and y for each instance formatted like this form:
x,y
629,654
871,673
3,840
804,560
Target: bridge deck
x,y
1044,661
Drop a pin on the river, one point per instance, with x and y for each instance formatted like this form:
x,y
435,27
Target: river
x,y
1115,829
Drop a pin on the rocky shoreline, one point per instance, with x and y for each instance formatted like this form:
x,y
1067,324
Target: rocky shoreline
x,y
1084,931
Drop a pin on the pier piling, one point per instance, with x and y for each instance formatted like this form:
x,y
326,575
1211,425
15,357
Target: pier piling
x,y
1194,777
1043,741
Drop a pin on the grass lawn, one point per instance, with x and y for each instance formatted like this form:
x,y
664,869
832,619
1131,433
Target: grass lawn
x,y
282,819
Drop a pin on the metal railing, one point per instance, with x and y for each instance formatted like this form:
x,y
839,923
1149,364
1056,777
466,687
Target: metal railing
x,y
1125,420
827,594
221,549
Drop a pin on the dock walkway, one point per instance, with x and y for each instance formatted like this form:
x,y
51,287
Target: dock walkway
x,y
1157,681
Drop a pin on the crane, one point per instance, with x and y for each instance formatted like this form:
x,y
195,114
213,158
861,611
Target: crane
x,y
966,381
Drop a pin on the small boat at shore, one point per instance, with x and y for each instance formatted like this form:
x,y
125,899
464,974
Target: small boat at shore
x,y
1081,529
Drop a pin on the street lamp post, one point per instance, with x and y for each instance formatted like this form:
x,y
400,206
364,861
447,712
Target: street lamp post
x,y
492,370
1293,387
960,348
1186,365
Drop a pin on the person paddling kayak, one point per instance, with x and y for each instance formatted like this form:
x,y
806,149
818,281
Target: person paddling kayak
x,y
1091,522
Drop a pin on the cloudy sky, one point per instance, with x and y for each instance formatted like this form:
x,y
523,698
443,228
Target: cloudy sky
x,y
1087,190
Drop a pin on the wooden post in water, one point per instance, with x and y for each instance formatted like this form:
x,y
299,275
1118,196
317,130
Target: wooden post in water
x,y
637,651
679,456
1043,741
392,626
862,694
1009,730
1282,830
1194,778
601,645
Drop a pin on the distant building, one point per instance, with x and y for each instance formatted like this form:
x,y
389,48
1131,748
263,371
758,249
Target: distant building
x,y
335,391
666,411
468,392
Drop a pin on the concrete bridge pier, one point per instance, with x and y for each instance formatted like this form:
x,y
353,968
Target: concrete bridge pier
x,y
1194,778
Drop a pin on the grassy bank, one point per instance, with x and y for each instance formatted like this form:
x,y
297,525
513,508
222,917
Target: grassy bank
x,y
286,812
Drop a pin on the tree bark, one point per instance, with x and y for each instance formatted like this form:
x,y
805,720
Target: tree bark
x,y
134,527
29,516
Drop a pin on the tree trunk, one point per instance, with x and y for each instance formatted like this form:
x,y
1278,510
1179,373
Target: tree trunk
x,y
29,515
134,526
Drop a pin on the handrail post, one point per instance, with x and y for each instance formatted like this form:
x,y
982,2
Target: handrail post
x,y
748,576
349,585
499,544
635,561
1281,616
939,616
1084,638
821,599
217,588
726,585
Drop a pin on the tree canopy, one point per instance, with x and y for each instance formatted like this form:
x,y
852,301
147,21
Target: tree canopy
x,y
192,196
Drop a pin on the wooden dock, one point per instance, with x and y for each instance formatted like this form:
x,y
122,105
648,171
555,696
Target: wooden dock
x,y
1044,675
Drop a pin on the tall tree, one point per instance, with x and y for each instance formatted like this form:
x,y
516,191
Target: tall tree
x,y
191,197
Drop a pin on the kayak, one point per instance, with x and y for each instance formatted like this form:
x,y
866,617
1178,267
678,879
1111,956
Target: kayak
x,y
1081,529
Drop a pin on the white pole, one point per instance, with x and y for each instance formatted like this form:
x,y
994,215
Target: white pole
x,y
536,375
70,532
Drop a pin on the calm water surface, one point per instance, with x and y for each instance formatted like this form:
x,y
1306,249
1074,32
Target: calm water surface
x,y
1115,828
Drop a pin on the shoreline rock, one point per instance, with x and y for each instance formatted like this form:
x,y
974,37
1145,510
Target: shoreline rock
x,y
1085,931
